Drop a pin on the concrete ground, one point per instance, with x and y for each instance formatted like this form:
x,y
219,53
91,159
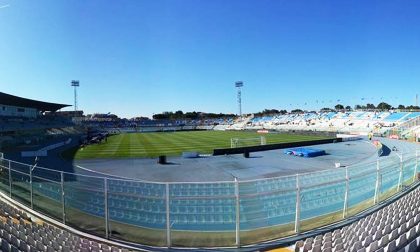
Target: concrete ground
x,y
224,168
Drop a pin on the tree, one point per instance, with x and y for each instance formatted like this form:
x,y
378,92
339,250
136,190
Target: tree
x,y
160,116
411,107
296,111
348,108
192,115
339,107
358,107
370,106
384,106
401,106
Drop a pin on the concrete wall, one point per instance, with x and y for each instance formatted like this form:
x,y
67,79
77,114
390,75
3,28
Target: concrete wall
x,y
240,150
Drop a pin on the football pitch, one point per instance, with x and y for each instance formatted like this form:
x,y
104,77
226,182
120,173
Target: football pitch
x,y
147,145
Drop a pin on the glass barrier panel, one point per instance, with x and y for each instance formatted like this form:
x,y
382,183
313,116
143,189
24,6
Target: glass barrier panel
x,y
409,166
267,209
137,211
389,180
202,214
4,176
47,194
21,189
84,200
361,189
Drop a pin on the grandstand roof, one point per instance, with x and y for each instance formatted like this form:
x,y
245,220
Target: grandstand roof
x,y
11,100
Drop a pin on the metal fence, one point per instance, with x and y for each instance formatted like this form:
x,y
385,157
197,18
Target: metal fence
x,y
405,130
231,213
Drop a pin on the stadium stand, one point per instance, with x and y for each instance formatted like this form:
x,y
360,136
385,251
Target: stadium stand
x,y
206,208
22,232
343,122
395,227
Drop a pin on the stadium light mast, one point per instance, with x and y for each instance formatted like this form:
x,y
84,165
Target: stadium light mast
x,y
238,85
75,84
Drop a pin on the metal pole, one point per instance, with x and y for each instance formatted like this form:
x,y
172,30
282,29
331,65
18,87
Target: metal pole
x,y
416,167
63,197
297,220
10,179
377,186
75,99
32,187
238,211
106,208
346,195
400,180
168,218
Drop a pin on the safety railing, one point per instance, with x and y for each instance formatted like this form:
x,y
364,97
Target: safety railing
x,y
226,213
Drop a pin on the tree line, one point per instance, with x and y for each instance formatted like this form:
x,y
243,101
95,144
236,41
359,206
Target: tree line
x,y
180,115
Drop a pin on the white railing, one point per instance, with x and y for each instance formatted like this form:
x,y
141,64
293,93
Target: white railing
x,y
164,208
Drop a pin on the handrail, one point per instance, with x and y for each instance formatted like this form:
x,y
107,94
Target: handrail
x,y
103,175
250,204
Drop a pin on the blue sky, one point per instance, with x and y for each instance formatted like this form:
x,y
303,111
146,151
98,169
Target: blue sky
x,y
136,57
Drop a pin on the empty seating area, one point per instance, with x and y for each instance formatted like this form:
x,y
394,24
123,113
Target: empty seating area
x,y
395,227
19,232
43,122
211,206
357,121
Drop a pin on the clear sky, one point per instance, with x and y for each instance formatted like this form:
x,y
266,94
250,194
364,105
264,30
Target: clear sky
x,y
136,57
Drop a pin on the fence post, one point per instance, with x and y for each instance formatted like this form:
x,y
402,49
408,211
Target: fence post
x,y
10,179
63,197
416,167
106,207
377,185
168,217
32,186
238,211
400,179
346,195
297,220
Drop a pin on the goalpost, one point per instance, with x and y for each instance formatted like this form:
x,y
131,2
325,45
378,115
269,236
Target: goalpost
x,y
242,142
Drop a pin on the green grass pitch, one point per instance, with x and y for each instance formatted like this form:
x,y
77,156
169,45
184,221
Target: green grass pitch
x,y
139,145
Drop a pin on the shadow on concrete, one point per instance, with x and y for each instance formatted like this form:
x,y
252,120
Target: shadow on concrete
x,y
170,163
385,151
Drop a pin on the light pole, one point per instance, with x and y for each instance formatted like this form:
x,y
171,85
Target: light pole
x,y
75,84
238,85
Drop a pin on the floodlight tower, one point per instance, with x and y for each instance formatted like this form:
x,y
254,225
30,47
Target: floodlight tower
x,y
238,85
75,84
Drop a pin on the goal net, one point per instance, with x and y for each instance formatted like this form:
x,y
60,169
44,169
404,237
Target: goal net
x,y
243,142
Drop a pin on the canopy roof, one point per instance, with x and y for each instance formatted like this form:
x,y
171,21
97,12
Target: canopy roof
x,y
11,100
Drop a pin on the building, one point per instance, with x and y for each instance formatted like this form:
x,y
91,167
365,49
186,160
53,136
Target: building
x,y
14,106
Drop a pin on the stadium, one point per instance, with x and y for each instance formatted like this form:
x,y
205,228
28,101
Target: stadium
x,y
311,181
235,126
